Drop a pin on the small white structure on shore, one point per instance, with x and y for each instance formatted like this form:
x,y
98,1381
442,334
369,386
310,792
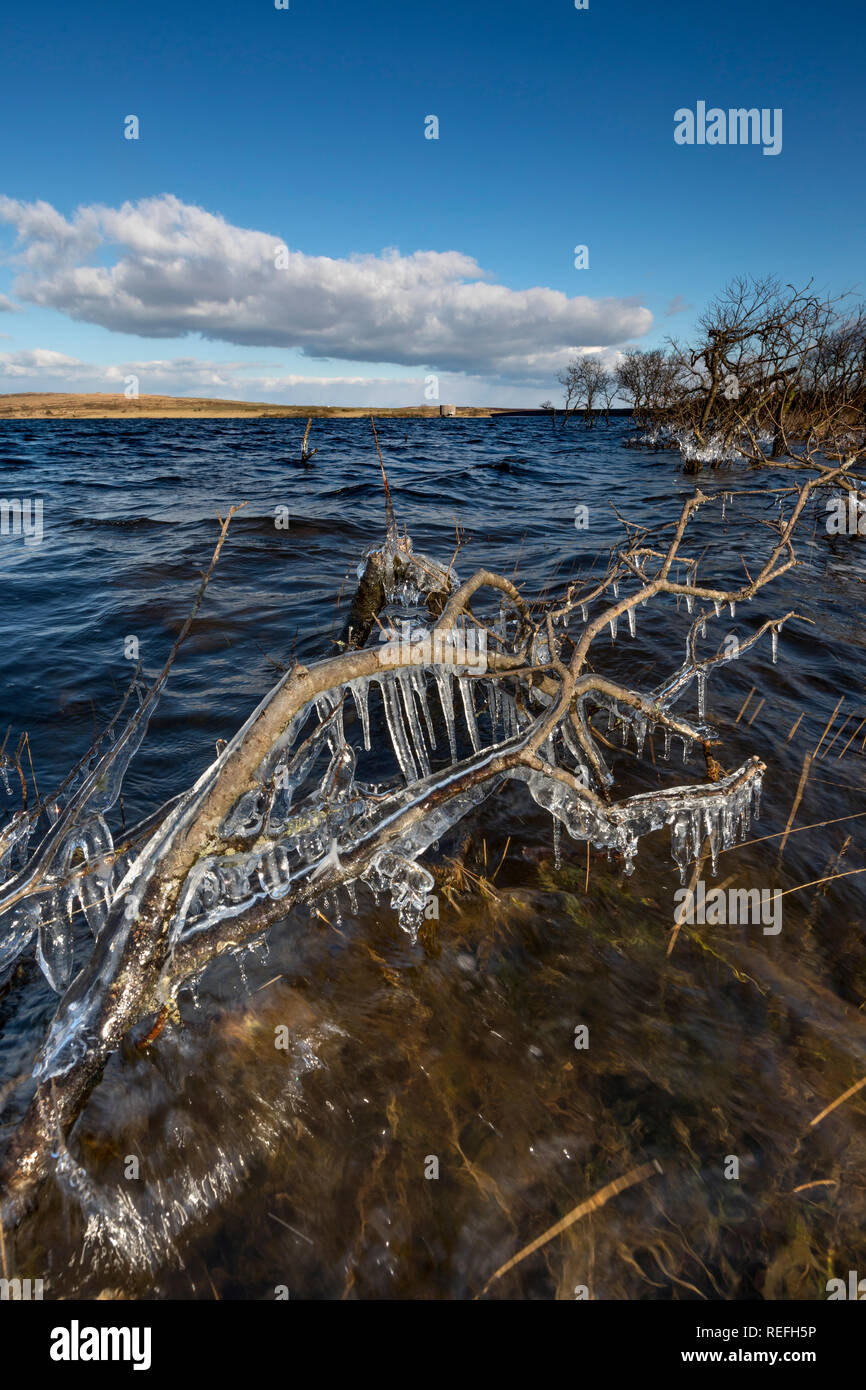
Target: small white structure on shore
x,y
447,410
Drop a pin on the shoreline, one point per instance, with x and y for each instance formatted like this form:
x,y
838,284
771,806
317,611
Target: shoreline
x,y
92,406
64,405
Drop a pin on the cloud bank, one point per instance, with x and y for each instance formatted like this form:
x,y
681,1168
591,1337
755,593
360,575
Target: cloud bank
x,y
161,268
43,369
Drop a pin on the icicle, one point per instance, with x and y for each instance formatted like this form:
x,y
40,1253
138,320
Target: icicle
x,y
397,728
613,622
667,751
632,623
695,839
775,642
17,927
409,884
54,948
494,704
757,786
702,695
557,843
16,833
711,827
640,732
274,872
584,612
718,607
419,685
94,895
443,683
629,854
360,694
417,737
508,708
733,607
469,711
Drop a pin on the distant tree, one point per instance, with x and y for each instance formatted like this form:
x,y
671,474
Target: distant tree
x,y
648,379
570,381
584,381
609,389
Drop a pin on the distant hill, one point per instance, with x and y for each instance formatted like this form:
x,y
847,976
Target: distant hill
x,y
40,405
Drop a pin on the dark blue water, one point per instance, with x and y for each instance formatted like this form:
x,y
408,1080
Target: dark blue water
x,y
463,1050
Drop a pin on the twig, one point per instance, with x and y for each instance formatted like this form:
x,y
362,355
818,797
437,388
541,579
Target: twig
x,y
600,1198
840,1100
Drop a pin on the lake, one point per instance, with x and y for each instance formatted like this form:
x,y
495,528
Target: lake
x,y
439,1105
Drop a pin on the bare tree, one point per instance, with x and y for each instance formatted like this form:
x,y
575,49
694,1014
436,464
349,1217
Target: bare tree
x,y
571,381
584,381
609,391
776,374
648,379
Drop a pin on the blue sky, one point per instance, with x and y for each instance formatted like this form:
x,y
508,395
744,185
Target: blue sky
x,y
408,257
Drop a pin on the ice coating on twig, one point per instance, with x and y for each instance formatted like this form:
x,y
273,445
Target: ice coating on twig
x,y
309,823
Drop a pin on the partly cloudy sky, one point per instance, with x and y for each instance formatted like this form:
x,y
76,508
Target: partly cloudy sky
x,y
282,229
161,269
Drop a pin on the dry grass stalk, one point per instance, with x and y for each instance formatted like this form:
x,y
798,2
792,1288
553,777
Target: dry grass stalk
x,y
599,1199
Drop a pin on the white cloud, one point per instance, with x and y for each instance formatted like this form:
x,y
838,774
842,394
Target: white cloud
x,y
178,269
42,369
38,362
7,307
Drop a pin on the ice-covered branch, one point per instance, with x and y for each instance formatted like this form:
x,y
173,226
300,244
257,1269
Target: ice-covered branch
x,y
283,816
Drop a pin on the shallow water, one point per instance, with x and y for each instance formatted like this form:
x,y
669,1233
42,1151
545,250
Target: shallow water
x,y
261,1169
